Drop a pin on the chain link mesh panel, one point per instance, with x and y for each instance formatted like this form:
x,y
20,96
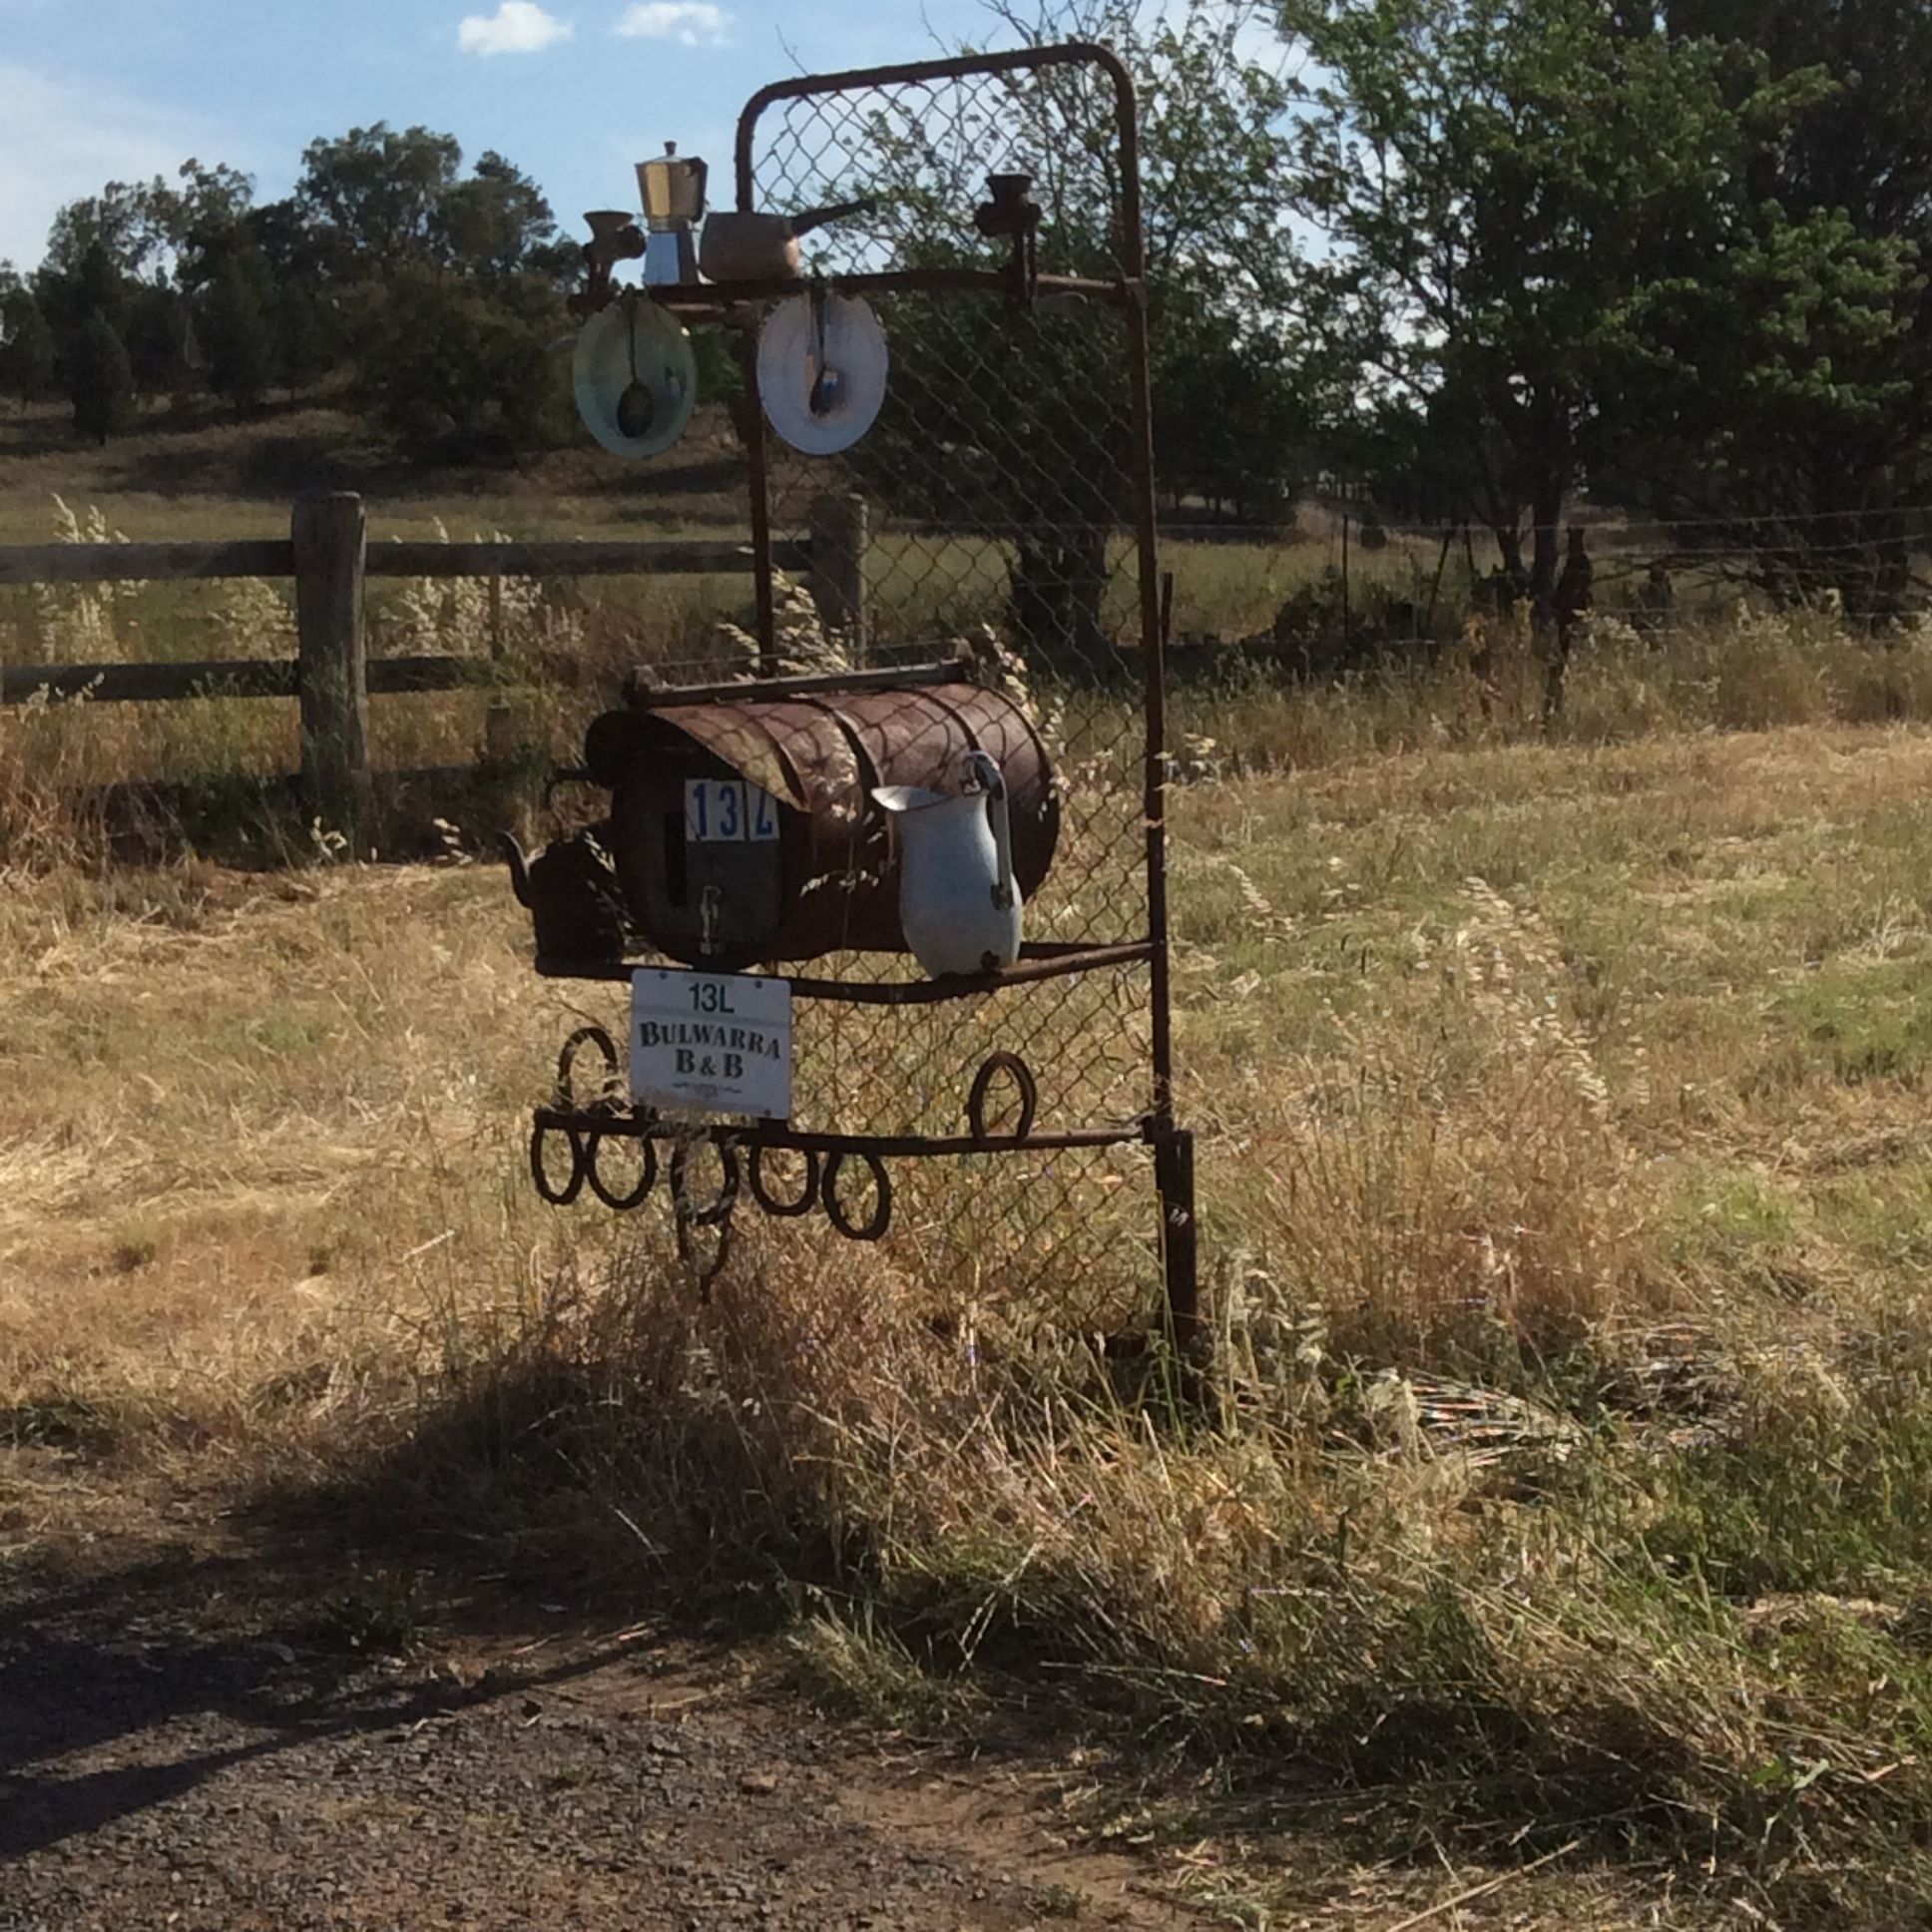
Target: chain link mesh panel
x,y
1001,487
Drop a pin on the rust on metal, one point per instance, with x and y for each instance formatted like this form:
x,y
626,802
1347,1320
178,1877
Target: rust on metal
x,y
894,1146
1042,504
819,757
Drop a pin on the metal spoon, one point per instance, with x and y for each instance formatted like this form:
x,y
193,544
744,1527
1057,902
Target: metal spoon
x,y
634,407
828,384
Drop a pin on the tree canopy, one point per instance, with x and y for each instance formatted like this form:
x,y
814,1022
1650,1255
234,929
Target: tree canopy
x,y
1483,255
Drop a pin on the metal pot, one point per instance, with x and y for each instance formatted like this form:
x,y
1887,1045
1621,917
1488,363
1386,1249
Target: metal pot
x,y
671,190
763,247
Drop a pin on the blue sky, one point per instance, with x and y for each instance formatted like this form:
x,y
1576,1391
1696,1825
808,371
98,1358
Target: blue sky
x,y
574,91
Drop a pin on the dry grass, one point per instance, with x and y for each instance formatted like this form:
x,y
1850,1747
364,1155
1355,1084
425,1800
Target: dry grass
x,y
1565,1190
1570,1484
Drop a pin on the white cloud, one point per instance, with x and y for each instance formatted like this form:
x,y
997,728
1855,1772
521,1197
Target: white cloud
x,y
58,142
691,23
517,27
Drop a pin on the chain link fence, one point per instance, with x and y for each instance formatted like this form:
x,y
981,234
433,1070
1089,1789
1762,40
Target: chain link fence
x,y
1007,505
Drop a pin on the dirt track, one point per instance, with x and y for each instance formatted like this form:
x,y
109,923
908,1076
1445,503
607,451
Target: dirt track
x,y
192,1738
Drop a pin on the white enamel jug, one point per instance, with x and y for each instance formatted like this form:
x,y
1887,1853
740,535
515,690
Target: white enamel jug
x,y
958,904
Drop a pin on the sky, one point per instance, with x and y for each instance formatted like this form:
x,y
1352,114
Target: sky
x,y
573,91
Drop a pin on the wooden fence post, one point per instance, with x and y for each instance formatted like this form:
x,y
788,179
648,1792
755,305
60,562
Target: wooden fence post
x,y
331,536
499,722
840,535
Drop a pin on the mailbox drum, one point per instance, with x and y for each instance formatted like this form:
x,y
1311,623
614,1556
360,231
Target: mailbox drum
x,y
829,881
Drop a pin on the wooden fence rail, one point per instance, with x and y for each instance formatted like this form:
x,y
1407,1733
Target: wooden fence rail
x,y
330,555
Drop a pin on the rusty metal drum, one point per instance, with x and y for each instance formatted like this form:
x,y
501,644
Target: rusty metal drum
x,y
744,830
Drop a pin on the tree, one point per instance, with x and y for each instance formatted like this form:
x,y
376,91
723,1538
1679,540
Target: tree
x,y
237,332
126,225
203,219
160,339
495,223
469,372
1812,470
376,190
1011,418
302,336
100,380
1515,193
26,347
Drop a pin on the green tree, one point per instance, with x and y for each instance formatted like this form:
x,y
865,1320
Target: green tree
x,y
376,191
1002,416
1516,197
126,225
236,330
465,371
100,380
101,284
161,340
26,347
1812,466
301,336
497,222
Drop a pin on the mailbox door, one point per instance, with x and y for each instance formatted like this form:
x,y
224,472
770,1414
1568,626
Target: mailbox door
x,y
700,853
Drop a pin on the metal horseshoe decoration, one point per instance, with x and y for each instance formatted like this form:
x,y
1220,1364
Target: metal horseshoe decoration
x,y
816,873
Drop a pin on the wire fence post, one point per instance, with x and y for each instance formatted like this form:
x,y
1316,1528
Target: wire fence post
x,y
330,542
1347,618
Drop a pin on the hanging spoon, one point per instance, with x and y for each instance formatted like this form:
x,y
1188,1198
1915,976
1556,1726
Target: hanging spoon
x,y
634,407
828,384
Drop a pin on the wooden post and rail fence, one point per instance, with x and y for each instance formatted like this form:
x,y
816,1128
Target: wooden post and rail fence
x,y
328,555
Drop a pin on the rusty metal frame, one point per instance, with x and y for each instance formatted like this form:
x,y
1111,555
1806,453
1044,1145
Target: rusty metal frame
x,y
584,1128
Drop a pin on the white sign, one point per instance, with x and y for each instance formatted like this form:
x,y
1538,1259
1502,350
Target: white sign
x,y
725,812
710,1043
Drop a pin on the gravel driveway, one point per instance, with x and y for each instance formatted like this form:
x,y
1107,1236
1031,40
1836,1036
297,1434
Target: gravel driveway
x,y
191,1738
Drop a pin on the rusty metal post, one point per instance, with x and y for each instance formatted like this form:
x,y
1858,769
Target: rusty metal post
x,y
1174,1175
840,535
330,541
751,429
1173,1149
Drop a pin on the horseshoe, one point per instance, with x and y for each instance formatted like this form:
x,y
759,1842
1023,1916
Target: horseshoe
x,y
1022,1078
647,1177
580,1161
782,1209
606,1049
882,1219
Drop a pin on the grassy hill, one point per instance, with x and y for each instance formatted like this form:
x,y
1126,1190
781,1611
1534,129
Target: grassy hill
x,y
197,472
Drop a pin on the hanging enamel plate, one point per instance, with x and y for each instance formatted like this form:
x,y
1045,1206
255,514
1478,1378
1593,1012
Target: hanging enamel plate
x,y
636,377
821,371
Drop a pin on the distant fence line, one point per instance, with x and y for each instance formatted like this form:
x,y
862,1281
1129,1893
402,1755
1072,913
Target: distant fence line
x,y
328,555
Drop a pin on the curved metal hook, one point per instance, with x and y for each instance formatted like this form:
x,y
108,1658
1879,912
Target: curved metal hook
x,y
873,1229
1022,1078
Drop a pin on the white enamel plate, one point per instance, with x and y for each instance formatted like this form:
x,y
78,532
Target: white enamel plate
x,y
821,371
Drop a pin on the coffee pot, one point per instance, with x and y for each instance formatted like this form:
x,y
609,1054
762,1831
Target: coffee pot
x,y
673,191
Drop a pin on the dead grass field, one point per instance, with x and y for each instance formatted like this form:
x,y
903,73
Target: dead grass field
x,y
1566,1192
1568,1494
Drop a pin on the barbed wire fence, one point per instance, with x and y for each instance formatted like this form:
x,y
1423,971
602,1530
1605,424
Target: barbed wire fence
x,y
1336,588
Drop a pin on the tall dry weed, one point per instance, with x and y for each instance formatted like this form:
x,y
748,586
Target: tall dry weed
x,y
1447,1177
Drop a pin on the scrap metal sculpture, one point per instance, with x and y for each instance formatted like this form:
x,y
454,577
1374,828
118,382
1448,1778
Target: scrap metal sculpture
x,y
990,1125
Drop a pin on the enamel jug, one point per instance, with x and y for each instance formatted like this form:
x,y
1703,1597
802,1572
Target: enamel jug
x,y
959,907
